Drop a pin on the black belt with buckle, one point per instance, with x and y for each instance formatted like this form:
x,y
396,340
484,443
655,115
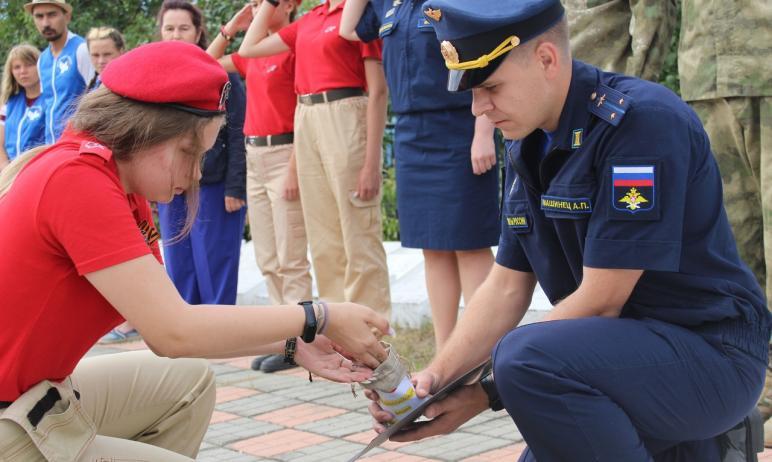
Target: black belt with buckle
x,y
330,95
270,140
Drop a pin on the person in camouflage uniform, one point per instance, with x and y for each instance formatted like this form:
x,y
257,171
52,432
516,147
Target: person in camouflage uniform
x,y
627,36
725,66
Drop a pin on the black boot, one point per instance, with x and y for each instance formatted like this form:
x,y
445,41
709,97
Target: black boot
x,y
743,441
275,363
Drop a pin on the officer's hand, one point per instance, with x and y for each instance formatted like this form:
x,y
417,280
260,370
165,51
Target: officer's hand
x,y
240,21
291,190
483,154
446,415
349,325
233,204
320,358
425,382
369,184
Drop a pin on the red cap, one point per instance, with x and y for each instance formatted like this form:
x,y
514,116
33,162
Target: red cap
x,y
175,73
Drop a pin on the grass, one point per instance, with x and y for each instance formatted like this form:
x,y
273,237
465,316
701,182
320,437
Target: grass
x,y
415,346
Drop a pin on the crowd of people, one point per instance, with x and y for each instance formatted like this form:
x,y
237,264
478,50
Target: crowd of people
x,y
612,201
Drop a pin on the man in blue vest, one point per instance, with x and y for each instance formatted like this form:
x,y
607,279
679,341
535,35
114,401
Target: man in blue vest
x,y
64,67
656,347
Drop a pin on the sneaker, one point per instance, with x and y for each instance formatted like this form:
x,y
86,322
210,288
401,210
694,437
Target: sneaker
x,y
116,336
743,441
275,363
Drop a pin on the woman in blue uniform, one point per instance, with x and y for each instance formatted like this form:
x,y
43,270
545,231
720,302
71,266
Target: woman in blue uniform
x,y
204,266
447,203
22,125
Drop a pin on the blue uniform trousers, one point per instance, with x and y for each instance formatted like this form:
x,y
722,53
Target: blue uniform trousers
x,y
204,266
611,390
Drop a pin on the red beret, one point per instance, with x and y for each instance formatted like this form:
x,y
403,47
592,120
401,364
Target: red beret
x,y
175,73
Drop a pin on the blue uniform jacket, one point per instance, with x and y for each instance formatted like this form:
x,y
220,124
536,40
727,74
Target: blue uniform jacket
x,y
24,126
629,181
227,161
415,70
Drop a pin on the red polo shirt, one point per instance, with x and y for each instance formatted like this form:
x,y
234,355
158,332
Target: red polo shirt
x,y
271,95
325,60
65,216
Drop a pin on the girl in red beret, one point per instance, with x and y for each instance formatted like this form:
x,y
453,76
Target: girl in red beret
x,y
339,124
80,256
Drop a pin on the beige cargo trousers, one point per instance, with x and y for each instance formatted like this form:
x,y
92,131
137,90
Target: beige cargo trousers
x,y
133,407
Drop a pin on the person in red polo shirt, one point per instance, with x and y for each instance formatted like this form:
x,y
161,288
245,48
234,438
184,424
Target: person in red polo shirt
x,y
274,208
80,256
339,124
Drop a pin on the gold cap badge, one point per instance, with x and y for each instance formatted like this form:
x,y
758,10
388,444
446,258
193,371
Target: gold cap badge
x,y
434,14
449,52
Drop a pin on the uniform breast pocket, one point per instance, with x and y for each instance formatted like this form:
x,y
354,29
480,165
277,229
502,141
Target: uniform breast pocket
x,y
517,216
574,201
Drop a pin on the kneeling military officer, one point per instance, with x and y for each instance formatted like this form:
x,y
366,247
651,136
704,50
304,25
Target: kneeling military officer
x,y
657,342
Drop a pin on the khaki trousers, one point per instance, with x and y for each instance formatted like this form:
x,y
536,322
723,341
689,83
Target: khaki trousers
x,y
344,232
277,227
145,409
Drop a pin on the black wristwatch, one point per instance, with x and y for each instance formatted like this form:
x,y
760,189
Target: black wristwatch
x,y
489,387
309,328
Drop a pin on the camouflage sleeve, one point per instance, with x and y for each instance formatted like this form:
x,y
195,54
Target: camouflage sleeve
x,y
626,36
651,28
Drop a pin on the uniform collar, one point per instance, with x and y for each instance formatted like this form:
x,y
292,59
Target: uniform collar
x,y
87,145
575,116
323,9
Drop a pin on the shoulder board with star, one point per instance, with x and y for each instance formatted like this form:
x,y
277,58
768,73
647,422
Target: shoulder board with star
x,y
609,104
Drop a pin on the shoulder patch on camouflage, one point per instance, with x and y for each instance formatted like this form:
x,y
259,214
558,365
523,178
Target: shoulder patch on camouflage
x,y
609,104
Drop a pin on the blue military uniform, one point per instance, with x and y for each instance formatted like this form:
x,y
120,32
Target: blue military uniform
x,y
627,181
442,204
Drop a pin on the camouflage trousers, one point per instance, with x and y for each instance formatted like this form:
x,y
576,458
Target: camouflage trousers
x,y
740,131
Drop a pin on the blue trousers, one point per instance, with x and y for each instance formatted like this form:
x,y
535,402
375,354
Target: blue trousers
x,y
204,266
622,390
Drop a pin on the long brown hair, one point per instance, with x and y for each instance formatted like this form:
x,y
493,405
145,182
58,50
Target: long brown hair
x,y
127,126
196,17
24,52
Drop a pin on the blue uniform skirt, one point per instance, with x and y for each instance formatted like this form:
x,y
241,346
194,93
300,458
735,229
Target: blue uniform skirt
x,y
441,203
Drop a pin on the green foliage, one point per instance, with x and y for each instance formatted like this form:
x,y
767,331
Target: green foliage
x,y
389,206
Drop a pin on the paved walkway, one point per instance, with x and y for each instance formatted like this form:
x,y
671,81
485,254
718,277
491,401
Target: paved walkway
x,y
283,417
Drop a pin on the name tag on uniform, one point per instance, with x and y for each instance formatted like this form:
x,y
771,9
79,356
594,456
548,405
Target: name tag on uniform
x,y
517,221
570,205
